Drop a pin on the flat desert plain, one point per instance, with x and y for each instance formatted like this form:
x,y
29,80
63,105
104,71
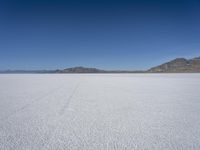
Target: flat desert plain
x,y
99,111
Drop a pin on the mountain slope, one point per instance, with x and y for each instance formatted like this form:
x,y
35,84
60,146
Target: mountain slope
x,y
179,65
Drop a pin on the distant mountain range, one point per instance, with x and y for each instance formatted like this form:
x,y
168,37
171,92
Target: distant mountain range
x,y
92,70
178,65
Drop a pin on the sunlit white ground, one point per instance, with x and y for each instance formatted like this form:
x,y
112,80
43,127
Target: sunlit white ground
x,y
100,112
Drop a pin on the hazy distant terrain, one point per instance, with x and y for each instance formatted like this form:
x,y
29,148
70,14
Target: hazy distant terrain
x,y
178,65
100,111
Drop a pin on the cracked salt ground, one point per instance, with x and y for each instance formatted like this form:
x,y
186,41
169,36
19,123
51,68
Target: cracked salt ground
x,y
100,111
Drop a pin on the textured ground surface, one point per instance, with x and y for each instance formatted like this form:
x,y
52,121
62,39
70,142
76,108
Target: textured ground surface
x,y
100,112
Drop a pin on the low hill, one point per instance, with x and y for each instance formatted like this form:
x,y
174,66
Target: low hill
x,y
81,70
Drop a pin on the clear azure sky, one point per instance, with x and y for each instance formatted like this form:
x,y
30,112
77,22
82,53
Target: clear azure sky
x,y
107,34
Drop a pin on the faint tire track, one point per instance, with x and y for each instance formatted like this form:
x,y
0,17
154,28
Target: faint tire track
x,y
61,112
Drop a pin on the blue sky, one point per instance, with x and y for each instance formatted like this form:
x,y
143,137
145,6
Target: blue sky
x,y
137,34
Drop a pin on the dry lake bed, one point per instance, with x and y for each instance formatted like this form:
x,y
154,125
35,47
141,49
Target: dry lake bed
x,y
99,111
